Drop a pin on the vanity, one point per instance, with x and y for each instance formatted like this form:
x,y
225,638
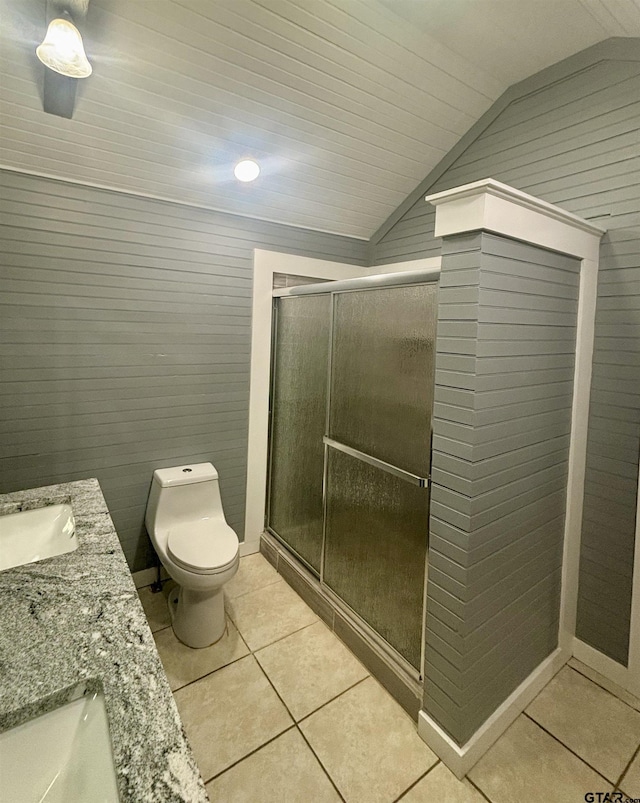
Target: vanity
x,y
79,672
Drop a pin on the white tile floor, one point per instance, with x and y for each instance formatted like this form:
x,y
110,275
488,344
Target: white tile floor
x,y
280,711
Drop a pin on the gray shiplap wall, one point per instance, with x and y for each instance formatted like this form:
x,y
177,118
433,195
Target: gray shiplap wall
x,y
126,340
574,140
609,519
505,354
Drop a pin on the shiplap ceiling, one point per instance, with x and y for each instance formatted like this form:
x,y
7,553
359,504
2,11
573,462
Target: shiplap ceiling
x,y
346,104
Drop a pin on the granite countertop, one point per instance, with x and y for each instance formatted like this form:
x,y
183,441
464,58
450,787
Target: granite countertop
x,y
76,618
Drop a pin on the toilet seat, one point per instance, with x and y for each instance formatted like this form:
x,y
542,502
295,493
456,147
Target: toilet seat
x,y
206,546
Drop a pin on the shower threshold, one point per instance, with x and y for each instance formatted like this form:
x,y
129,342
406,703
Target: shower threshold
x,y
400,683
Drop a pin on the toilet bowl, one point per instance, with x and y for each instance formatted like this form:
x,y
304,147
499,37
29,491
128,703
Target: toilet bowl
x,y
199,550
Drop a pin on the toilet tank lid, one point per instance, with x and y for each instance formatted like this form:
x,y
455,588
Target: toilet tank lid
x,y
185,475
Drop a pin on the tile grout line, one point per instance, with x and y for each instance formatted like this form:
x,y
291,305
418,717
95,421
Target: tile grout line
x,y
250,652
324,769
477,788
329,626
333,699
250,753
297,727
626,769
566,747
286,730
600,686
280,638
295,724
213,672
415,783
227,613
279,579
319,619
234,660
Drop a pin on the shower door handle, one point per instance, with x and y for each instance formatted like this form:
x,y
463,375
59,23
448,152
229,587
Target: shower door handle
x,y
422,482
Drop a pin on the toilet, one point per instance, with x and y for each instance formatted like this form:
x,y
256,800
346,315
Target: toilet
x,y
199,550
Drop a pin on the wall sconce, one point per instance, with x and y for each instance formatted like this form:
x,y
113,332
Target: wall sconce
x,y
62,49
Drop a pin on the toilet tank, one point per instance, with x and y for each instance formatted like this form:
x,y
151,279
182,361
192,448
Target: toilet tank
x,y
181,494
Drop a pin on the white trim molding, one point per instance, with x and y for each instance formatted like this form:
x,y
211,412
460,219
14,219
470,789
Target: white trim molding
x,y
168,199
249,548
460,759
594,659
374,281
627,677
426,263
633,678
578,448
492,206
265,264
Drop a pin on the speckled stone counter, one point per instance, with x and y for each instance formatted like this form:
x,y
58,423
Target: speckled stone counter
x,y
77,617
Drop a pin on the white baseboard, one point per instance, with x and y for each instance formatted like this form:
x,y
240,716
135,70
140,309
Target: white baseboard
x,y
249,547
461,759
606,666
602,680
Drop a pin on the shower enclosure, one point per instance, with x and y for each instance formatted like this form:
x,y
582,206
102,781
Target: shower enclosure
x,y
350,447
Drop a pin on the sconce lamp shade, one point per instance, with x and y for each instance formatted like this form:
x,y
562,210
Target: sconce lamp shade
x,y
63,51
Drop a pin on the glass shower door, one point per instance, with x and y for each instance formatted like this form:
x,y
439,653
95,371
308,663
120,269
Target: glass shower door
x,y
382,373
378,458
298,420
376,544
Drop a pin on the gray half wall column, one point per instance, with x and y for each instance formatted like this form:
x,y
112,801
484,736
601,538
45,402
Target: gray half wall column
x,y
569,136
505,356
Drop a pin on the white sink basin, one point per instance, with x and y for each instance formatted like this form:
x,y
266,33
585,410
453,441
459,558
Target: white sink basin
x,y
63,756
36,534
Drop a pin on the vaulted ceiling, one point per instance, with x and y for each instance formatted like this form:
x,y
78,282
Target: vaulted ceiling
x,y
346,104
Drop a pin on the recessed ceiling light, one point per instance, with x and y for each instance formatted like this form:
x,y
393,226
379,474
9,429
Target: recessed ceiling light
x,y
246,170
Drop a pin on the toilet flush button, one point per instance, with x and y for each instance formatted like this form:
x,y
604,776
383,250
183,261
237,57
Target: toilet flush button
x,y
187,470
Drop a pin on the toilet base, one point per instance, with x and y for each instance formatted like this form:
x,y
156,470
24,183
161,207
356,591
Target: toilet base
x,y
197,617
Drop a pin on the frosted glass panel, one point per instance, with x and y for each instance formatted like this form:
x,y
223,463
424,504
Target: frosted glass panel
x,y
375,549
299,398
383,373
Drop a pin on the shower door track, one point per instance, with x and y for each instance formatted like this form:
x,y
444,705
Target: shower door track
x,y
373,282
372,635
